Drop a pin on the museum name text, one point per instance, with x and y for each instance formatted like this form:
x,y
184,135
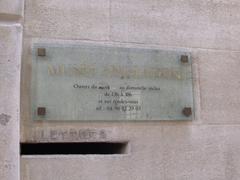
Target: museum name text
x,y
87,70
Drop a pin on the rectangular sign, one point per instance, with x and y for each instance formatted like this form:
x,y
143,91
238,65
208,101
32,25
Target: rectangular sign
x,y
104,83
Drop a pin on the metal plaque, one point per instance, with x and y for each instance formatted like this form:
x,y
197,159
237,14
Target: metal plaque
x,y
103,83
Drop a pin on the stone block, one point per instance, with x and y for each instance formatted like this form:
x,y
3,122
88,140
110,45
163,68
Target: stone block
x,y
156,153
142,161
187,23
13,7
201,152
219,87
67,19
10,56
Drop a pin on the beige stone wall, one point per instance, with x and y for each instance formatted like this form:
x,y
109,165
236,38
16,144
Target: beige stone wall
x,y
13,7
10,64
206,148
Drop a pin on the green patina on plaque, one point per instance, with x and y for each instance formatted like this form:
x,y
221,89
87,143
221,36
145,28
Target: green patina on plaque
x,y
82,82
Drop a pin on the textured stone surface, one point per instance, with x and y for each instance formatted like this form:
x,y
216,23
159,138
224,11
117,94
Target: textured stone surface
x,y
67,19
188,23
220,87
195,152
13,7
167,153
201,152
142,162
10,53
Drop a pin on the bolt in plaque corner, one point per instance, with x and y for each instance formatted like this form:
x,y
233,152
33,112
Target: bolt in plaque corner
x,y
187,111
41,111
41,52
184,59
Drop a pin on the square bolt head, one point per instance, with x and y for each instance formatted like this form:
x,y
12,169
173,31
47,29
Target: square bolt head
x,y
187,111
41,52
184,58
41,111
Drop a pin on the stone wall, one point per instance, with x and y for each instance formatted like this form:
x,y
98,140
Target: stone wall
x,y
206,148
11,13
